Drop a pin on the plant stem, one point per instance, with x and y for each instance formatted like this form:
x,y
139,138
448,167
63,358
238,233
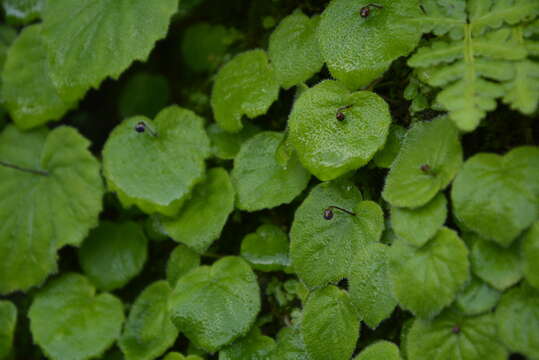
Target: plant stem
x,y
31,171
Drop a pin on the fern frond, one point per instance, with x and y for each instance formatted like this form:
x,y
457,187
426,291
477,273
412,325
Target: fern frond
x,y
442,17
485,14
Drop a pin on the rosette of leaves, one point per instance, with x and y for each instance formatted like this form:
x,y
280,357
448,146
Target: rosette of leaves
x,y
50,196
476,56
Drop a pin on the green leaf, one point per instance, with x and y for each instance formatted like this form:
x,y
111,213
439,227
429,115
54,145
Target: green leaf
x,y
484,14
430,157
254,346
7,36
156,169
181,261
88,41
68,320
143,94
369,284
260,181
381,350
42,213
419,225
290,345
477,298
204,46
322,251
8,322
214,305
204,215
425,280
148,331
27,90
225,145
329,147
21,12
380,38
113,254
294,51
244,86
266,249
452,336
442,17
498,266
522,92
497,196
178,356
517,316
530,254
330,325
385,157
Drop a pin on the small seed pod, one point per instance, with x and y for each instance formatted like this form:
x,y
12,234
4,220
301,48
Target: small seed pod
x,y
340,114
455,330
328,212
426,169
343,284
140,127
365,11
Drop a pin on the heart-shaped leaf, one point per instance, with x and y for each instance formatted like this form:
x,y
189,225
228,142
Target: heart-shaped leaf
x,y
244,86
69,322
204,215
181,261
497,196
44,210
425,280
254,346
113,254
86,43
335,131
381,350
329,315
155,164
359,45
148,331
322,248
266,249
8,321
417,226
454,336
530,254
477,298
294,51
214,305
369,284
260,181
430,157
27,90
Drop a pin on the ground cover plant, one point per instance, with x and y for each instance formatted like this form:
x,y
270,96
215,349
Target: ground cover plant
x,y
269,179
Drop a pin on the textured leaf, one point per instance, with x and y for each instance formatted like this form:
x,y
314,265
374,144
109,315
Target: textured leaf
x,y
244,86
178,356
267,249
452,336
385,157
419,225
181,261
8,321
381,350
330,325
294,51
497,196
68,321
329,147
20,12
204,215
148,331
225,145
28,92
259,180
442,17
500,267
42,213
425,280
517,317
90,40
485,14
369,284
143,94
430,157
156,172
290,345
7,36
113,254
322,251
215,305
254,346
530,254
380,38
477,298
